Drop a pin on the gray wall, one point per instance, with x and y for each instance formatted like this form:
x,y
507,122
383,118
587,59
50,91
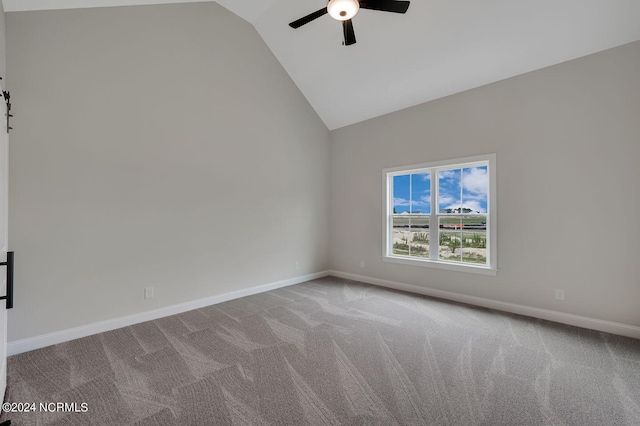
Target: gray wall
x,y
3,45
165,146
155,146
567,140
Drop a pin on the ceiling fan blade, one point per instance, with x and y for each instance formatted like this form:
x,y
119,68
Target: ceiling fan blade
x,y
349,34
398,6
310,17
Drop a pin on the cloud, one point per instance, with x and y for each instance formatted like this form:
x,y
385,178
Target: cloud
x,y
448,174
449,201
445,199
422,204
424,201
476,180
475,206
400,201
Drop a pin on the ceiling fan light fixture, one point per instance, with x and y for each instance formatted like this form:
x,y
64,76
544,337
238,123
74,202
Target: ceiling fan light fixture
x,y
343,10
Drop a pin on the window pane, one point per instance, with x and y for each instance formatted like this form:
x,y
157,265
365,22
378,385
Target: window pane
x,y
401,235
411,235
463,239
450,244
474,240
421,193
419,240
449,191
475,188
401,194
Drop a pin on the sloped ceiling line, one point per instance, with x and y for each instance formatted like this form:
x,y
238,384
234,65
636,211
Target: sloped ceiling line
x,y
438,48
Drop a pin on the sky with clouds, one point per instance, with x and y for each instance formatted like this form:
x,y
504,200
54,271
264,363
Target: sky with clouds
x,y
466,188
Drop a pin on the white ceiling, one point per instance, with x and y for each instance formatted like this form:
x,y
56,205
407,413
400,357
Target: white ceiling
x,y
439,47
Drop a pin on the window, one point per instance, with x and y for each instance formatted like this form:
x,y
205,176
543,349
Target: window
x,y
442,214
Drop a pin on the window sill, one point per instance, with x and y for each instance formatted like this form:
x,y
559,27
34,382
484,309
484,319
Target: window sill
x,y
473,269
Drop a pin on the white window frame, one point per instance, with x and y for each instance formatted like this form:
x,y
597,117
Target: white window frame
x,y
491,267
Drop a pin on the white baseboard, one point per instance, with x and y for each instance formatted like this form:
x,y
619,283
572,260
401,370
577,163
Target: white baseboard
x,y
37,342
3,379
546,314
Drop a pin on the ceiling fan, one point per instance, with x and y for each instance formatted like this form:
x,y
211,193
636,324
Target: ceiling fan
x,y
344,10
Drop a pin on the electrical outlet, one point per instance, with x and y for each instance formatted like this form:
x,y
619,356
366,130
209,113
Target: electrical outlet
x,y
362,263
559,294
148,292
297,265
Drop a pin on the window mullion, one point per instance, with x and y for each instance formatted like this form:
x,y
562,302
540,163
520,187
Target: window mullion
x,y
434,236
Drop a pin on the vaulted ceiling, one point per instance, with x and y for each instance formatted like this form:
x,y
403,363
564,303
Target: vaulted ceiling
x,y
439,47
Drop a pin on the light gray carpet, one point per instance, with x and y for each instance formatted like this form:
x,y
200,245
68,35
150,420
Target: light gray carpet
x,y
332,352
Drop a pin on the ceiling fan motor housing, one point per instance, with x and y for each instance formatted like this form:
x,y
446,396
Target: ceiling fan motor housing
x,y
343,10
